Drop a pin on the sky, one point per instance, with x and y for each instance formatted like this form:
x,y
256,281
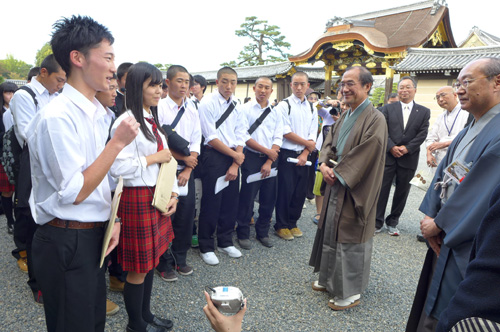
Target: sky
x,y
200,34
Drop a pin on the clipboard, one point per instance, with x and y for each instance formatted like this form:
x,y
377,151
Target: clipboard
x,y
114,210
164,184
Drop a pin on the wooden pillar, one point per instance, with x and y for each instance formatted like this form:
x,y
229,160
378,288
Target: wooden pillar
x,y
328,80
389,77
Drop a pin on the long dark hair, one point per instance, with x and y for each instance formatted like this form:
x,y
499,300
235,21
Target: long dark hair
x,y
137,75
6,87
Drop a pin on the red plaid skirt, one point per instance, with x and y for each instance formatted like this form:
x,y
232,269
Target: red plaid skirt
x,y
5,185
145,234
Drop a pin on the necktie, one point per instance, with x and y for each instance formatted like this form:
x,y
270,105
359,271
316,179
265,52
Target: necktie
x,y
406,115
159,142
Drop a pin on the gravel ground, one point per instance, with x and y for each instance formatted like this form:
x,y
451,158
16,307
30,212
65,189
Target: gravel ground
x,y
276,282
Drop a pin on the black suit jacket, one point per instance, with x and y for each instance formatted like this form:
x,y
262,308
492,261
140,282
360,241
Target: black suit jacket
x,y
412,136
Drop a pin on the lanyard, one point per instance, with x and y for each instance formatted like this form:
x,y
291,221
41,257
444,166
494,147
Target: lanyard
x,y
453,125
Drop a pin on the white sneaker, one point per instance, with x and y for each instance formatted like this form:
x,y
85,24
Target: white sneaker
x,y
231,251
393,231
209,258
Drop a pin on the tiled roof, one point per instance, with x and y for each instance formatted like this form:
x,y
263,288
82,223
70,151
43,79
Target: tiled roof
x,y
271,70
390,30
422,60
485,37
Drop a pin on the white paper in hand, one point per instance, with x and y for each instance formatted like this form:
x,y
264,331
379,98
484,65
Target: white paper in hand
x,y
258,176
295,161
221,184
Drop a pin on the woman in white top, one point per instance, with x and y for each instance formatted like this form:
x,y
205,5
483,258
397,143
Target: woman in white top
x,y
146,232
7,90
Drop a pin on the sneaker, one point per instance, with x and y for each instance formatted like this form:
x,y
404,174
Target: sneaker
x,y
10,229
285,234
245,244
420,238
296,232
111,308
378,230
185,270
316,218
209,258
393,231
231,251
266,242
194,241
169,276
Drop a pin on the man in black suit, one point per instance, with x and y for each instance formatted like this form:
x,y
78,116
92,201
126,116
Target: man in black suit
x,y
407,123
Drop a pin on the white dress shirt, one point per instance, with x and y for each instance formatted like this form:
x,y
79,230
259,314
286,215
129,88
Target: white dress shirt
x,y
131,162
446,128
232,131
406,114
188,126
300,121
64,139
270,131
23,108
8,120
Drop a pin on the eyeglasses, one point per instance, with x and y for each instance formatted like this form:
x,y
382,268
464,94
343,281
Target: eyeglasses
x,y
465,83
349,84
441,95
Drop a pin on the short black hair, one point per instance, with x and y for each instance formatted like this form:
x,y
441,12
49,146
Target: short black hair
x,y
408,78
201,81
33,72
164,85
80,33
226,70
174,69
6,87
123,69
393,95
300,73
50,63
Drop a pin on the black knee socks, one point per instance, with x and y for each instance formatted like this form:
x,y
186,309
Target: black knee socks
x,y
7,209
133,296
146,304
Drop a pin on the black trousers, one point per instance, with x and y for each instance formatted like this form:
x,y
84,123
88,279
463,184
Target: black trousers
x,y
218,212
66,263
182,224
311,174
292,182
403,178
267,197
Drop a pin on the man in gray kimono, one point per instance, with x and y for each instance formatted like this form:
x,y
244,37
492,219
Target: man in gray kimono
x,y
460,193
352,163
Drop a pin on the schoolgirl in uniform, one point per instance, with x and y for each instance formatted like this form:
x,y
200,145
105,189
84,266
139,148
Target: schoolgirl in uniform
x,y
146,232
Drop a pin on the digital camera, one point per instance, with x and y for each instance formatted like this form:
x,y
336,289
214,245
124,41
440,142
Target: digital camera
x,y
229,300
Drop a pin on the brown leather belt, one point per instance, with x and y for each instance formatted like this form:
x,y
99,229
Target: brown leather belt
x,y
72,224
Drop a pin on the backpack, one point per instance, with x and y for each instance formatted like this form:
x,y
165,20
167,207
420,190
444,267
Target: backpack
x,y
290,106
10,157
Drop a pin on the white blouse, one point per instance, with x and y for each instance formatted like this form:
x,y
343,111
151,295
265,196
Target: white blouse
x,y
131,162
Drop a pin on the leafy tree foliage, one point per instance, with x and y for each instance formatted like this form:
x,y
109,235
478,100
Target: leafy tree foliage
x,y
266,44
11,68
42,54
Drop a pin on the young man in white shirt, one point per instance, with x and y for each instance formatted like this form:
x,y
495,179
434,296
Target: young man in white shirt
x,y
70,161
177,112
300,128
222,125
45,86
263,141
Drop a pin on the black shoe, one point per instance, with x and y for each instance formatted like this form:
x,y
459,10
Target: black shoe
x,y
149,328
420,238
245,244
266,242
38,297
162,323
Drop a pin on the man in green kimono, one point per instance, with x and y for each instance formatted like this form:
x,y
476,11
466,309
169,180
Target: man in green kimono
x,y
352,163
